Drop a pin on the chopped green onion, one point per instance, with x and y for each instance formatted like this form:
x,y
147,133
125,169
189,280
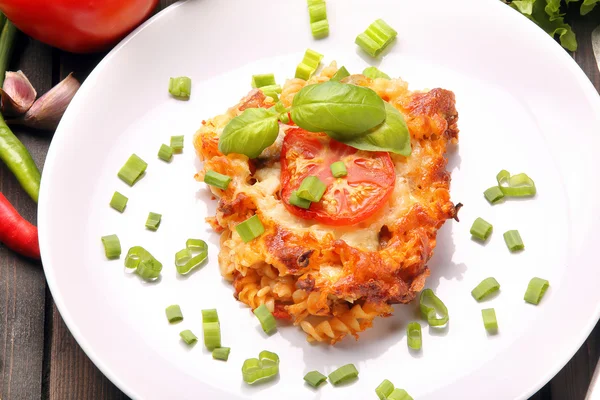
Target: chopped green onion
x,y
343,374
118,202
221,353
112,246
519,185
267,320
193,263
212,335
493,194
384,389
153,221
314,378
271,91
216,179
374,73
413,335
376,38
338,169
250,229
147,267
430,305
198,245
513,240
261,80
317,12
133,170
174,314
481,229
299,202
340,74
489,320
180,87
320,29
304,72
210,315
485,288
311,188
262,369
188,337
535,290
399,394
177,143
165,153
182,257
309,64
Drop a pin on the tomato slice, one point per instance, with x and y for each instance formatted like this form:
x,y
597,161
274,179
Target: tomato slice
x,y
346,201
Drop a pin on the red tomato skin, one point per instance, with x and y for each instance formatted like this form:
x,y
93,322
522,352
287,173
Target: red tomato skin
x,y
78,26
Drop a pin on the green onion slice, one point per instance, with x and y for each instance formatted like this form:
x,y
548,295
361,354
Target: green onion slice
x,y
493,194
261,80
374,73
250,229
118,202
196,245
384,389
535,290
271,91
376,38
320,29
338,169
212,335
314,378
177,143
165,153
146,266
153,221
399,394
481,229
182,257
413,335
340,74
133,170
210,315
216,179
267,320
299,202
188,337
343,374
519,185
485,288
221,353
260,369
309,64
489,320
311,188
174,314
430,306
513,240
180,87
317,12
112,246
193,263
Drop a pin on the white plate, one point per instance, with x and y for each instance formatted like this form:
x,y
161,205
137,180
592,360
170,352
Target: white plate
x,y
524,105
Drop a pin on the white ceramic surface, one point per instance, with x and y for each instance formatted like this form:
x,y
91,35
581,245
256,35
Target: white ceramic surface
x,y
524,105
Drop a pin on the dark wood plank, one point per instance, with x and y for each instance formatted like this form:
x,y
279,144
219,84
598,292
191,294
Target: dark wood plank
x,y
22,284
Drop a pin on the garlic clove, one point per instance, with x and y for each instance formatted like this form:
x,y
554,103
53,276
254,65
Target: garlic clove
x,y
17,94
47,111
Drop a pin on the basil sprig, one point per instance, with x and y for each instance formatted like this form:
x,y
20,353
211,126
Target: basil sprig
x,y
250,132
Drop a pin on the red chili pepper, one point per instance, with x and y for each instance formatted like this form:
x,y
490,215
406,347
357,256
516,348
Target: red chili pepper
x,y
17,233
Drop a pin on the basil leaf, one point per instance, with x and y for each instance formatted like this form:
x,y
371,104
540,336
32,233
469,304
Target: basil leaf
x,y
392,135
250,132
347,110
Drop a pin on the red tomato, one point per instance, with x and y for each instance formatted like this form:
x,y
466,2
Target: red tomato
x,y
79,26
346,201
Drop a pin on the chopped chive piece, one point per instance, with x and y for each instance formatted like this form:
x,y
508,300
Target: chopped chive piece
x,y
304,72
535,290
317,12
314,378
384,389
513,240
493,194
193,263
338,169
311,188
196,245
430,306
376,38
118,202
309,64
212,335
267,320
481,229
250,229
489,320
485,288
177,143
374,73
413,335
182,257
320,29
180,87
188,337
299,202
271,91
112,246
399,394
520,185
340,74
174,314
260,369
133,170
221,353
153,221
210,315
343,374
146,266
216,179
261,80
165,153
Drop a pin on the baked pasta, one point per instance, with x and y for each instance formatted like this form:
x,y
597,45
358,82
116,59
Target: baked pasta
x,y
334,267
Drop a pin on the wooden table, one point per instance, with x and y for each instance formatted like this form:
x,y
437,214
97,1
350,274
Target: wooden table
x,y
39,359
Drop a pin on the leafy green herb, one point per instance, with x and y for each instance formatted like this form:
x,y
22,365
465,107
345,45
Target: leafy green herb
x,y
374,73
250,133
